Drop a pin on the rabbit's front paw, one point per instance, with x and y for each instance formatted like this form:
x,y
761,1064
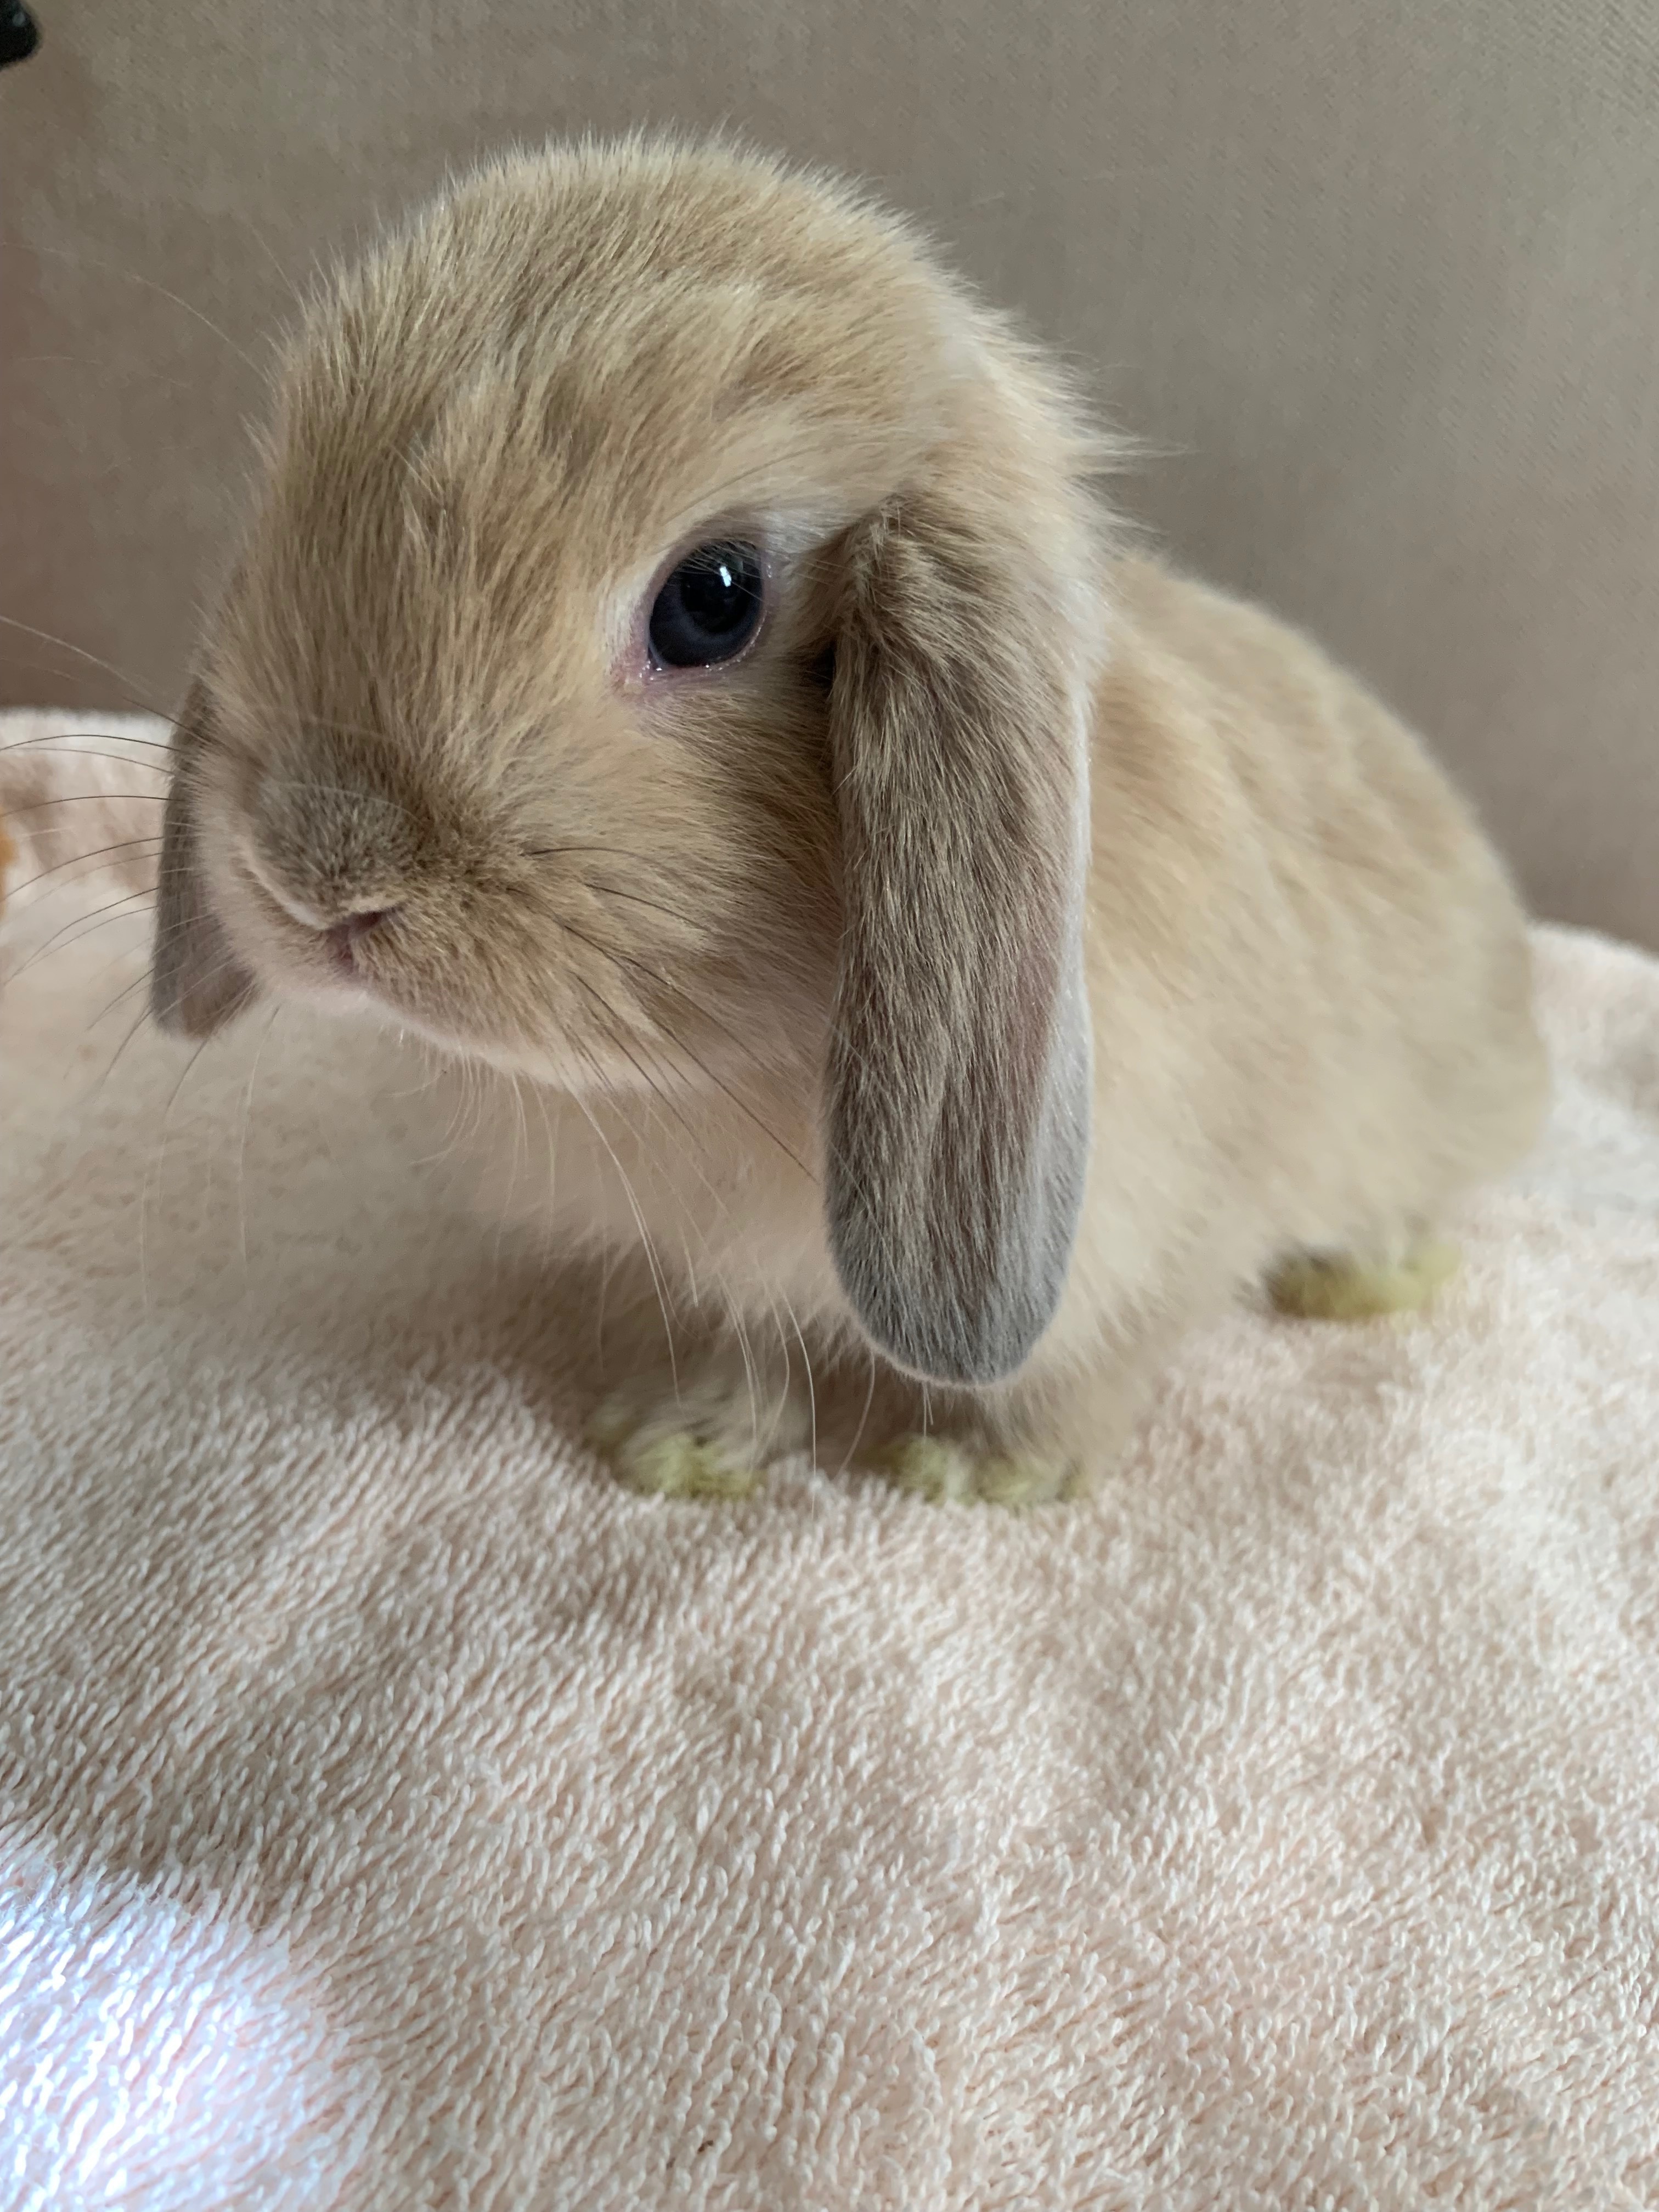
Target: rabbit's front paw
x,y
946,1471
709,1438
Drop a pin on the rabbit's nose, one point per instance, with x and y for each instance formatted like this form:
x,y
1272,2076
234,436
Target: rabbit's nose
x,y
341,923
334,855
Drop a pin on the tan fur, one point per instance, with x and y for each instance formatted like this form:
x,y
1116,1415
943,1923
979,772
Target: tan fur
x,y
763,939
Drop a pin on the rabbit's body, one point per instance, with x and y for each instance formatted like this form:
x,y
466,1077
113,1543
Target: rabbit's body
x,y
953,993
1368,1054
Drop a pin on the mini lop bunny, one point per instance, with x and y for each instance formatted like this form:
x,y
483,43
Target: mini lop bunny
x,y
677,661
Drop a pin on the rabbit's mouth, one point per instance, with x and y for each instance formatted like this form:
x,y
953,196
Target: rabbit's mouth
x,y
362,960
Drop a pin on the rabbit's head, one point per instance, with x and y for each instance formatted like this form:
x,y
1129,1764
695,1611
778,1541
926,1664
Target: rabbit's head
x,y
661,651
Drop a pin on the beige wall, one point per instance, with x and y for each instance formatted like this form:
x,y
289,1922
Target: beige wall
x,y
1382,282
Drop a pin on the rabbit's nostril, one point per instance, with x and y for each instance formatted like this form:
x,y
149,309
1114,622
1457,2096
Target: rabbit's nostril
x,y
344,935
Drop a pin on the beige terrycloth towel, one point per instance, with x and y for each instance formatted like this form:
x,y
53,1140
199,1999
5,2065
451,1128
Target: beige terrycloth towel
x,y
1279,1830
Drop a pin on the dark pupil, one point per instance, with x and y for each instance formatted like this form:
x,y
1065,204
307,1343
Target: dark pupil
x,y
708,608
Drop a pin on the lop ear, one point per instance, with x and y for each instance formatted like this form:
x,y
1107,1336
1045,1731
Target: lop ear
x,y
196,982
958,1081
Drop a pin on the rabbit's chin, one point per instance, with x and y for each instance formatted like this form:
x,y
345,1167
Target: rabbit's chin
x,y
578,1070
588,1074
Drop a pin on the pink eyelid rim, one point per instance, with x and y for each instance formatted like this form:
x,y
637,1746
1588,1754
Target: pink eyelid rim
x,y
634,668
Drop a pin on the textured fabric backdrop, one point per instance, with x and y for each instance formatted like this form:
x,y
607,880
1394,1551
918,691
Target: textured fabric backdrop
x,y
1382,283
1279,1830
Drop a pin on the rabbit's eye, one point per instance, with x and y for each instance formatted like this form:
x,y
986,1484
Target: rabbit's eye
x,y
710,608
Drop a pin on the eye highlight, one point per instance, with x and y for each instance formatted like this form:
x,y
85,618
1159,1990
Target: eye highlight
x,y
709,607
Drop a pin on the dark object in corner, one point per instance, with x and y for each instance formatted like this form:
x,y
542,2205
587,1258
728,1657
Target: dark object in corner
x,y
20,34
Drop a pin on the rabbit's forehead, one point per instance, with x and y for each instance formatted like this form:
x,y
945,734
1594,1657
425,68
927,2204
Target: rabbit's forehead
x,y
495,426
617,335
521,478
626,416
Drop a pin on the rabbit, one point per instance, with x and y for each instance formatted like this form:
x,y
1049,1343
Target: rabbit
x,y
681,665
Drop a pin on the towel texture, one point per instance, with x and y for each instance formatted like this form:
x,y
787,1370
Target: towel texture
x,y
1279,1830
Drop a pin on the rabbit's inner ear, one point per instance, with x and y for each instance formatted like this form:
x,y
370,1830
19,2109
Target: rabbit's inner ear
x,y
196,982
958,1086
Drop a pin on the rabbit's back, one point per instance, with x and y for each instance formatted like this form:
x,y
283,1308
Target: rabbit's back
x,y
1308,972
